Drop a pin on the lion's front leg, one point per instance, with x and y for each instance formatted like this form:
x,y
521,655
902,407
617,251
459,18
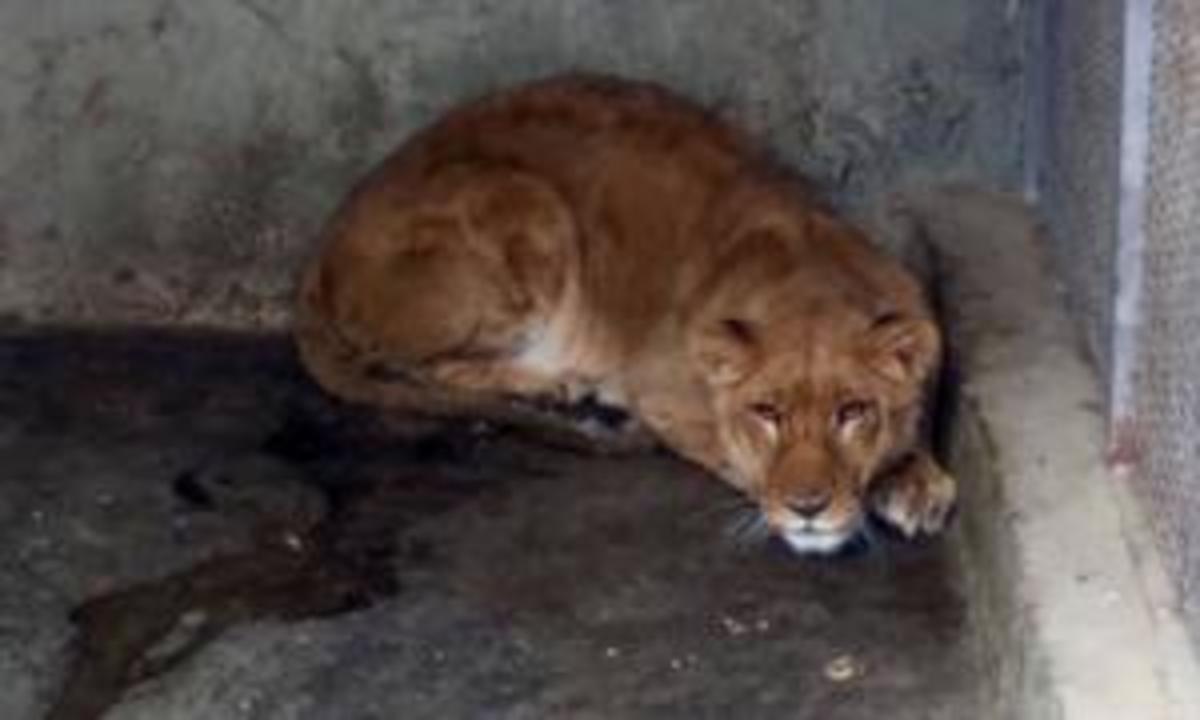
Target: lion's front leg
x,y
916,497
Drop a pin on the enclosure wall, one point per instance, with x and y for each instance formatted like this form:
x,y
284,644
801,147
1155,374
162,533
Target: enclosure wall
x,y
165,162
1164,420
1077,138
1119,184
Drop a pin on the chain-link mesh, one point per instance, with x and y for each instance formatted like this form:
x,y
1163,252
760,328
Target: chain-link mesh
x,y
1079,180
1079,172
1167,357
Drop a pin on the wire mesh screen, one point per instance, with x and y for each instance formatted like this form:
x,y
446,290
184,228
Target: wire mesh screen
x,y
1079,180
1167,354
1080,139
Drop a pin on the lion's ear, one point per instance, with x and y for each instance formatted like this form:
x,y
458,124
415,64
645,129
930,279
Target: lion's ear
x,y
725,351
902,349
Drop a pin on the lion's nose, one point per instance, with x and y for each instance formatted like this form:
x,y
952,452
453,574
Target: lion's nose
x,y
810,505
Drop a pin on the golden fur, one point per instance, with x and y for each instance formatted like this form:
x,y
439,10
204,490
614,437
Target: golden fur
x,y
592,236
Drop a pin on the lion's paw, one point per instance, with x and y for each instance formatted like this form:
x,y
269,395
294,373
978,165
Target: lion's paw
x,y
917,499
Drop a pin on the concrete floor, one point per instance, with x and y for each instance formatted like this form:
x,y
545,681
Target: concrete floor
x,y
189,530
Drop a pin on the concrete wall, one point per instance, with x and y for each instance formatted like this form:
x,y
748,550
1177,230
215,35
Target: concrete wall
x,y
168,162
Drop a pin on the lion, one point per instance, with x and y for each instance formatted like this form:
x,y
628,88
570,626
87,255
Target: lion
x,y
592,239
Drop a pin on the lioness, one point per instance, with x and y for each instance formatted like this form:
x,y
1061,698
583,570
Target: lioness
x,y
592,237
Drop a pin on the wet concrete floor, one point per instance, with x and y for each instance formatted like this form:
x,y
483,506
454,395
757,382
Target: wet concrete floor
x,y
188,529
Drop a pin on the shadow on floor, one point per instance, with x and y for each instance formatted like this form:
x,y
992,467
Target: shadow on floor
x,y
229,543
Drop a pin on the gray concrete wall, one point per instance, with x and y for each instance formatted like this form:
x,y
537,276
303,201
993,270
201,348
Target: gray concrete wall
x,y
168,162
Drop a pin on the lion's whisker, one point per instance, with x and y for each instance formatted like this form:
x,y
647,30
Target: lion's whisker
x,y
733,505
747,528
870,537
738,518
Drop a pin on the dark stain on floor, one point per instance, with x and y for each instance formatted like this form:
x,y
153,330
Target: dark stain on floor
x,y
434,572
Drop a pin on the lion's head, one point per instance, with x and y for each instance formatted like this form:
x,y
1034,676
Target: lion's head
x,y
817,386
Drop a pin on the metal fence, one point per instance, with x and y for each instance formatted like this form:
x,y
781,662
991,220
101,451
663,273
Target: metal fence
x,y
1118,134
1079,133
1166,362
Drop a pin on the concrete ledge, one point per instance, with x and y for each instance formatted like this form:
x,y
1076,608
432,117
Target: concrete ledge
x,y
1070,604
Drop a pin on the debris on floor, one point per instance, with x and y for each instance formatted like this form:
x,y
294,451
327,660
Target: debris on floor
x,y
843,668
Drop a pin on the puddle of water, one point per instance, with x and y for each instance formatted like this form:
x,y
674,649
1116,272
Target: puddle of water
x,y
301,566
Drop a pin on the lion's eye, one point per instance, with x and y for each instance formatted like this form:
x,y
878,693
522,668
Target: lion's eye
x,y
852,412
766,412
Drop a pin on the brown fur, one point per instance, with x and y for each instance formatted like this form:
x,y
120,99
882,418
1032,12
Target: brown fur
x,y
587,235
